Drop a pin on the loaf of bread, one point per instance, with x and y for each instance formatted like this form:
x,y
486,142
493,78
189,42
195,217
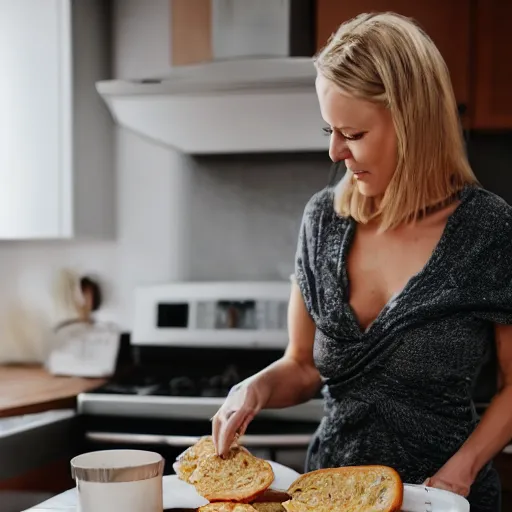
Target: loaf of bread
x,y
226,507
239,476
351,489
188,460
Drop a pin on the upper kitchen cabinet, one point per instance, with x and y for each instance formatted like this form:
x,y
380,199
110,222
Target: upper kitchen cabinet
x,y
492,101
208,30
154,36
446,22
56,171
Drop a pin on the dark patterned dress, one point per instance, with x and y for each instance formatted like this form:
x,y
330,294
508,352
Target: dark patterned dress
x,y
399,392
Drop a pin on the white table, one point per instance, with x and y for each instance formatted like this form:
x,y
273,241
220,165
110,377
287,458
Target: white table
x,y
67,500
176,493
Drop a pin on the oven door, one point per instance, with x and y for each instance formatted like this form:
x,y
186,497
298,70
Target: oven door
x,y
282,441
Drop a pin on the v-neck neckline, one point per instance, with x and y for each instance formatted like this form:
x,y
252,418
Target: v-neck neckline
x,y
434,258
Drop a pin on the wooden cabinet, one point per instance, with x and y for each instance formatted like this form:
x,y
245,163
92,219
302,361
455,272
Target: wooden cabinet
x,y
472,36
56,170
446,22
206,30
492,70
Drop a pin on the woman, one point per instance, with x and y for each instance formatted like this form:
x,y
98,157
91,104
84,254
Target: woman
x,y
403,278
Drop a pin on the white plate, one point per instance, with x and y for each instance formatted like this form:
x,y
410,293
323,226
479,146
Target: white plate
x,y
179,494
417,498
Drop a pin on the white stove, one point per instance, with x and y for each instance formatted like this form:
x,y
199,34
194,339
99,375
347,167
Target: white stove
x,y
207,337
192,343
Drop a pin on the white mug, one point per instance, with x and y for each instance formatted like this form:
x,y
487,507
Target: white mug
x,y
119,481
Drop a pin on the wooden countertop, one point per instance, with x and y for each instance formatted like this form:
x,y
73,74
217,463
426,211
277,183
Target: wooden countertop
x,y
31,389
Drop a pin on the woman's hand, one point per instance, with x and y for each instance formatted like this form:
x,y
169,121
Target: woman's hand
x,y
455,476
243,403
291,380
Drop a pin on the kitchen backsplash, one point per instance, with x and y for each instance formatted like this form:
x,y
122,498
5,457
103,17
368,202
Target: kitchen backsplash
x,y
179,218
229,217
233,217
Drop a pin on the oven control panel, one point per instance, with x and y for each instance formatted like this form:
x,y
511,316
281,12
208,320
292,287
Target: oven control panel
x,y
229,314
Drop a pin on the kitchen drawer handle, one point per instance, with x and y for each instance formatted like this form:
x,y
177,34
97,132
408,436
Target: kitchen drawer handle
x,y
254,441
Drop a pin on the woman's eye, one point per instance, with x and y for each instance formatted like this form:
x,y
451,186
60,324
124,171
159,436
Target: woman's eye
x,y
354,136
328,131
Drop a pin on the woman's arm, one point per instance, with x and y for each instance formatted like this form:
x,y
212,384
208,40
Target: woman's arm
x,y
492,433
293,379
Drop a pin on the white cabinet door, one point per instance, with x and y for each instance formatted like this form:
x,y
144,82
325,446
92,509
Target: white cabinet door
x,y
35,122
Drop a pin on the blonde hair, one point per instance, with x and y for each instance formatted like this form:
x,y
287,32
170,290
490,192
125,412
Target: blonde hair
x,y
387,59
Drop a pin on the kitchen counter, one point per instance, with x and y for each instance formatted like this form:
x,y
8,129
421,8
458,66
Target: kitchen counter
x,y
31,389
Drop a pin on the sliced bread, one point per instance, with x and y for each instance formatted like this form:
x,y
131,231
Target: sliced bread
x,y
188,460
239,476
351,489
269,506
226,507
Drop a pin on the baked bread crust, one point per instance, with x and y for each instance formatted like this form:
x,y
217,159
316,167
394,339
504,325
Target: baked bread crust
x,y
226,507
269,506
188,460
239,476
351,489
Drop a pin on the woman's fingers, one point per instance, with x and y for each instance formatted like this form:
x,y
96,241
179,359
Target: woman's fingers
x,y
216,427
229,424
445,486
245,424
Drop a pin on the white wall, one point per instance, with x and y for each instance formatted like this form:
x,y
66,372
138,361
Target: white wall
x,y
177,218
180,218
141,38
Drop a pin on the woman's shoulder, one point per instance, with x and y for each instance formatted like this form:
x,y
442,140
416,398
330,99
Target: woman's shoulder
x,y
490,212
321,201
320,206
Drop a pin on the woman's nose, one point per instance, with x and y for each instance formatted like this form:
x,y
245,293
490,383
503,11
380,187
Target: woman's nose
x,y
338,149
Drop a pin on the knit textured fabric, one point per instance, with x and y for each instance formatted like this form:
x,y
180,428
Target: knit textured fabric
x,y
399,392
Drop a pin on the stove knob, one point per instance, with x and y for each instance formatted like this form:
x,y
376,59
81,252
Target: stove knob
x,y
182,386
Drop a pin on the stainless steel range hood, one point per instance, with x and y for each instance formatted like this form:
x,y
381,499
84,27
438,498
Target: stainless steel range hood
x,y
232,106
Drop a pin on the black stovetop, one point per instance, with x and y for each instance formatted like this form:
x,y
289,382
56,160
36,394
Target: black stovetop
x,y
188,372
144,381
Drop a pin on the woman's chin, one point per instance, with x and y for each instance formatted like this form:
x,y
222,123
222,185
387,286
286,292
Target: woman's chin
x,y
366,189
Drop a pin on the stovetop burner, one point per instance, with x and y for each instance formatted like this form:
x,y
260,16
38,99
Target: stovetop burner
x,y
179,385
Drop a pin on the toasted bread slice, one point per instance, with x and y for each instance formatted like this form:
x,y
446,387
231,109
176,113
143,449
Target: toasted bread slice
x,y
269,506
223,506
188,460
239,476
351,489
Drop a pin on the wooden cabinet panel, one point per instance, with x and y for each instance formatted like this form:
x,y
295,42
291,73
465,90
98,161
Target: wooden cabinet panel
x,y
191,31
446,22
492,73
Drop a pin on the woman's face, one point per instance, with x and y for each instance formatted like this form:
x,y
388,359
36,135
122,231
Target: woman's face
x,y
362,134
